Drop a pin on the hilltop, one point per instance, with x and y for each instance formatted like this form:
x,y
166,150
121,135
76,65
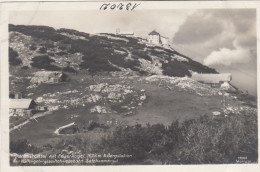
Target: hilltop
x,y
64,49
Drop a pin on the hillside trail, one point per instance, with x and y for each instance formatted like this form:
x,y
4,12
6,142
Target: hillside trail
x,y
34,117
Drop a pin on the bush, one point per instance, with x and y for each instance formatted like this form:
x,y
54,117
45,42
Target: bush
x,y
25,67
202,141
13,57
142,54
176,68
51,54
22,146
33,47
61,53
205,140
44,62
93,125
69,69
73,32
42,50
11,95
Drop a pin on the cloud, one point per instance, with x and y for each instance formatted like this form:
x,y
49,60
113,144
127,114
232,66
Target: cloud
x,y
243,48
224,39
227,57
207,31
198,28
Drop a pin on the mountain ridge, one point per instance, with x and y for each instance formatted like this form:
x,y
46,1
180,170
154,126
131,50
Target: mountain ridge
x,y
44,47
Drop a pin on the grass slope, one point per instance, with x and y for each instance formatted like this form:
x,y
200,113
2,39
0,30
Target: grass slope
x,y
162,106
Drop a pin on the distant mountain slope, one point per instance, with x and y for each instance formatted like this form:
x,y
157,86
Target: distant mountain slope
x,y
44,47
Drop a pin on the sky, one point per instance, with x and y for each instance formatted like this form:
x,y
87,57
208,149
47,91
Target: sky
x,y
224,39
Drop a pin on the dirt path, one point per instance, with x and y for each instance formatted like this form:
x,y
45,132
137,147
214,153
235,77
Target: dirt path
x,y
34,117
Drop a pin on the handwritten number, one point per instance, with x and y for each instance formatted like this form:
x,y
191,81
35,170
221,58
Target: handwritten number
x,y
135,5
128,6
105,6
120,6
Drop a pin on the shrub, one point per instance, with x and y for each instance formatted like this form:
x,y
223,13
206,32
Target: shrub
x,y
176,68
61,53
13,57
11,95
42,50
33,47
69,69
73,32
25,67
93,125
44,62
205,140
22,146
142,54
51,54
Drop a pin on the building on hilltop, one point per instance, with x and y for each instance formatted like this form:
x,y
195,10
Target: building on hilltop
x,y
214,80
164,40
118,32
48,77
155,38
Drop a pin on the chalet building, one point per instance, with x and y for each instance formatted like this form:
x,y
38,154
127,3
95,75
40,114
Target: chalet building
x,y
48,77
155,38
118,32
214,80
21,107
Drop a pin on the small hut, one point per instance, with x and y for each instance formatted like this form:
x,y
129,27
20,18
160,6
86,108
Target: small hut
x,y
21,107
214,80
48,77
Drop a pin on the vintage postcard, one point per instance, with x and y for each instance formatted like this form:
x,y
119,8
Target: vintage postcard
x,y
121,84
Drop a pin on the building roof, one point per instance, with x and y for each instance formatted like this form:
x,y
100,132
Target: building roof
x,y
126,33
153,33
20,103
48,73
212,78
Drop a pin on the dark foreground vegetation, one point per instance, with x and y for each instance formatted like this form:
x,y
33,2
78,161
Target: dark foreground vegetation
x,y
207,140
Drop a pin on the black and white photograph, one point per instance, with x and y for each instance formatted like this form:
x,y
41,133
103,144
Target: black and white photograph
x,y
120,84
